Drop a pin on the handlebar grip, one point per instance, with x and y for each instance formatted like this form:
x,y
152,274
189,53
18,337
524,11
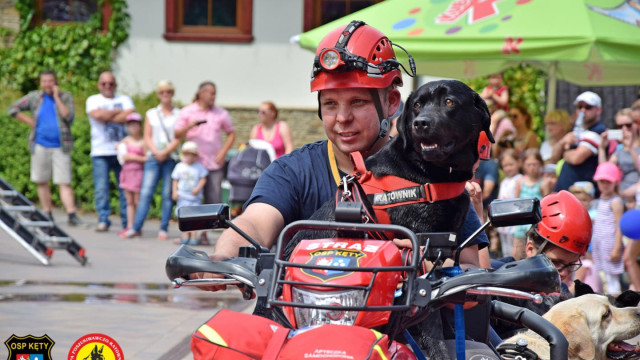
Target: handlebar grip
x,y
558,344
185,261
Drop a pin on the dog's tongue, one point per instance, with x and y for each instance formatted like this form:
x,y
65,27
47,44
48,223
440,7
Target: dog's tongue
x,y
622,350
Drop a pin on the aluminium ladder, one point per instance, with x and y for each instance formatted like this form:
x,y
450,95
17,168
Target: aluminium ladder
x,y
32,228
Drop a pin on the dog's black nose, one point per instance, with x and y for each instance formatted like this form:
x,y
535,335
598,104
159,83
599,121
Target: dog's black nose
x,y
421,123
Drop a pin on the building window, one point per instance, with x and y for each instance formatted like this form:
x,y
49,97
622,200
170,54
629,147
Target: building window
x,y
58,12
320,12
209,20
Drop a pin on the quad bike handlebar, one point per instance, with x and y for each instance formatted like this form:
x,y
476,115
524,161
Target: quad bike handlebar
x,y
260,271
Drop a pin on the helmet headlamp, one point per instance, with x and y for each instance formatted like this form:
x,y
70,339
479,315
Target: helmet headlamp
x,y
330,59
339,59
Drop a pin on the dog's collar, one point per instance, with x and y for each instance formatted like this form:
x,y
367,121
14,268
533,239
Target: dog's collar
x,y
389,191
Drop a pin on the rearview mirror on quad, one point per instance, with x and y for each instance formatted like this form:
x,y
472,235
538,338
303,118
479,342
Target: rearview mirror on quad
x,y
514,212
203,217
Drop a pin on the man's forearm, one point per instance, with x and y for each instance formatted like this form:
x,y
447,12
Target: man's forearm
x,y
230,242
22,117
63,110
103,115
121,116
180,133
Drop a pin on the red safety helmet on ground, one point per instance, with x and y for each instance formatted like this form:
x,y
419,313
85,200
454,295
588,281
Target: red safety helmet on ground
x,y
565,222
355,56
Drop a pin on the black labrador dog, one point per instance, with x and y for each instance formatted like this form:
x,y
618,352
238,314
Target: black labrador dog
x,y
437,142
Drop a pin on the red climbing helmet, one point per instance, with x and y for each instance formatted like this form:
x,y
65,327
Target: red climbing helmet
x,y
565,222
355,56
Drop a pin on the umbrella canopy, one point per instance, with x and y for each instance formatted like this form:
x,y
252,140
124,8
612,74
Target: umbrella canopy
x,y
587,42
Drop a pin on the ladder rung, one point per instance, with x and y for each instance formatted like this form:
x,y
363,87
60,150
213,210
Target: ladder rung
x,y
36,223
8,193
55,239
19,208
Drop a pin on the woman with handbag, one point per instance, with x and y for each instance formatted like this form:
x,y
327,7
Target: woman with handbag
x,y
159,139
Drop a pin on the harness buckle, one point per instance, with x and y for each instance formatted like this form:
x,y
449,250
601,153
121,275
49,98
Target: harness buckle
x,y
346,180
346,193
427,192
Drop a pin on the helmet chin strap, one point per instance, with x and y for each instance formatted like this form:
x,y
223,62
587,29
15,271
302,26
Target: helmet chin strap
x,y
384,122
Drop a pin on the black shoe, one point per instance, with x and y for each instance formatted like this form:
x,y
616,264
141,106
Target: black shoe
x,y
74,220
50,216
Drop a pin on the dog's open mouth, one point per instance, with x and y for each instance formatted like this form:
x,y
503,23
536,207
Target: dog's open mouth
x,y
622,350
428,147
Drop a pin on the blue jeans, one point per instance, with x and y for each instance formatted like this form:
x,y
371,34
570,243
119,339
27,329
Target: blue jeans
x,y
154,171
102,165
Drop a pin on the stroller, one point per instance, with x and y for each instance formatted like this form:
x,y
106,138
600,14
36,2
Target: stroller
x,y
245,168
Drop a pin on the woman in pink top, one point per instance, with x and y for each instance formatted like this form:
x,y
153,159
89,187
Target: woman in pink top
x,y
204,123
270,129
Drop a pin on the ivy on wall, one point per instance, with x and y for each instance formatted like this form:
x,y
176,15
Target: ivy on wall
x,y
77,52
526,87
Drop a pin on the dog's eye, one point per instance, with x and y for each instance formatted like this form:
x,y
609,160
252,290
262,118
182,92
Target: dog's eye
x,y
606,314
416,106
448,102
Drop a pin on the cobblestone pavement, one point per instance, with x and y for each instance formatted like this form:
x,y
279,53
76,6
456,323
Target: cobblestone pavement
x,y
122,292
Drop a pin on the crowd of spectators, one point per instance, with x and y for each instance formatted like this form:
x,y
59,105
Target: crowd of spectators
x,y
579,154
139,151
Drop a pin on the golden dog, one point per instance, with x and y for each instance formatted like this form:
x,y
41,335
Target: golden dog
x,y
594,328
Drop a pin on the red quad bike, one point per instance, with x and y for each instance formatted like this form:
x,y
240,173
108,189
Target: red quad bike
x,y
353,297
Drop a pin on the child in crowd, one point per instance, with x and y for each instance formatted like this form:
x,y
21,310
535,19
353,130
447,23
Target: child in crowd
x,y
607,244
549,177
189,178
528,186
587,273
510,165
497,93
131,154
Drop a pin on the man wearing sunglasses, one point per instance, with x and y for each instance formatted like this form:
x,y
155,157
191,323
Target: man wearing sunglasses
x,y
579,148
563,235
107,114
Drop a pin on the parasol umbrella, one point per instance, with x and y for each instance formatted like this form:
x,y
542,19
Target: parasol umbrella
x,y
587,42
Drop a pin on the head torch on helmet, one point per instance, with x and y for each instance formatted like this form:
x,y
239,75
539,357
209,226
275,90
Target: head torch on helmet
x,y
339,59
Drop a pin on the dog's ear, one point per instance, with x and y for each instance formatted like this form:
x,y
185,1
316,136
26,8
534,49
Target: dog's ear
x,y
627,298
401,124
582,288
575,329
485,116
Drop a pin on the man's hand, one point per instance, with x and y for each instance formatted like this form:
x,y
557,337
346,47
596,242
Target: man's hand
x,y
203,275
568,140
220,158
56,91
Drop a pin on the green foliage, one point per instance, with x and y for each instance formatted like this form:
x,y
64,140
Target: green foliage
x,y
77,52
15,156
526,87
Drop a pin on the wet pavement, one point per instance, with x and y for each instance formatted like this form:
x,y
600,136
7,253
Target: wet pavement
x,y
122,292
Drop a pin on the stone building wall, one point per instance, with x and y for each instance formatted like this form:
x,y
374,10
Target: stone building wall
x,y
305,125
9,19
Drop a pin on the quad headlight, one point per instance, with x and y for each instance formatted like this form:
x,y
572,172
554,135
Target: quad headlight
x,y
311,317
